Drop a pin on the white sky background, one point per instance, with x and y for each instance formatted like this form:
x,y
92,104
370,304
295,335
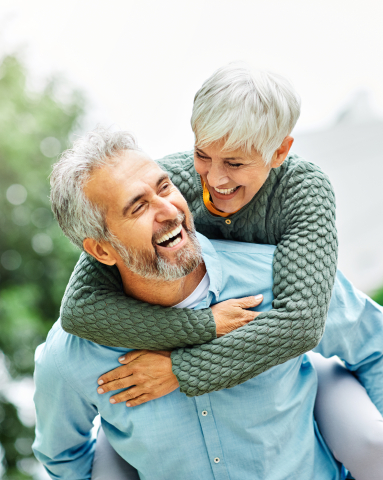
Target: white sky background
x,y
141,62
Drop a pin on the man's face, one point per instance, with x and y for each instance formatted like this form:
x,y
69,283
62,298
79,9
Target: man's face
x,y
149,217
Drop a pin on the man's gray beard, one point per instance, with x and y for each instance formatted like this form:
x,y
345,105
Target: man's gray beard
x,y
151,265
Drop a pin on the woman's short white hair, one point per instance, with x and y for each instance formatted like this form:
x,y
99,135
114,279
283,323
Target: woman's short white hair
x,y
77,216
247,109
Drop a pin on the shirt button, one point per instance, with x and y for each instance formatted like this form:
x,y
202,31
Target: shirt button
x,y
216,460
204,413
228,221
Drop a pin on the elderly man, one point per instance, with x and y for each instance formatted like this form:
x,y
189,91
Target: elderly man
x,y
262,429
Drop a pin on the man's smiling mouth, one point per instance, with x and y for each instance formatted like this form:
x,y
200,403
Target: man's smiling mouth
x,y
170,239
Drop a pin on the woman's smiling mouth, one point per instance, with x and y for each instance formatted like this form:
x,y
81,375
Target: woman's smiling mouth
x,y
224,193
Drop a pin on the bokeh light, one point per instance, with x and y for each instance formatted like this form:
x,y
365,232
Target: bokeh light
x,y
21,216
50,147
11,260
16,194
42,243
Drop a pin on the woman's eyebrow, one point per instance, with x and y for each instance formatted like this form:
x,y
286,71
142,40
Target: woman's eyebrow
x,y
201,151
223,158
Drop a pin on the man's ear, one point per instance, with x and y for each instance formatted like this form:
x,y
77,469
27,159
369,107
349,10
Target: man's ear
x,y
102,252
282,152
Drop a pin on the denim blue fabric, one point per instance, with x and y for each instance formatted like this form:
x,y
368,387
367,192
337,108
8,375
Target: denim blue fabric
x,y
262,429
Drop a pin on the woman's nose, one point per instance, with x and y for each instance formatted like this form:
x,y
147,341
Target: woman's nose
x,y
217,176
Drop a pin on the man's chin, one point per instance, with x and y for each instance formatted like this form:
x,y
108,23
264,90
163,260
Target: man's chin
x,y
179,262
161,263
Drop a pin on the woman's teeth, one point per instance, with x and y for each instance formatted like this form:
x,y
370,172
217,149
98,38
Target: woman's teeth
x,y
225,191
169,235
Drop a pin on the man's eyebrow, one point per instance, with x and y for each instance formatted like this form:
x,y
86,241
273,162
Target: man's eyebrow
x,y
138,197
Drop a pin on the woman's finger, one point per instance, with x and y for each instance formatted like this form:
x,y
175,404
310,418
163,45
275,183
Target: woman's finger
x,y
130,356
249,302
127,395
116,374
139,400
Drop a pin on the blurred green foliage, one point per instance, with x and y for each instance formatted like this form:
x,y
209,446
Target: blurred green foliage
x,y
378,296
36,260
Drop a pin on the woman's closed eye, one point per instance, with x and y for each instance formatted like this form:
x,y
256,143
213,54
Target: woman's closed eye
x,y
234,165
201,156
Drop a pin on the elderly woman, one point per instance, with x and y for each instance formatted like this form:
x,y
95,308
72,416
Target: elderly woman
x,y
241,183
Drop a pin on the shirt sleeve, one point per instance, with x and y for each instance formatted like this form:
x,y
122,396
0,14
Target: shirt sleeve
x,y
304,268
94,307
64,417
354,332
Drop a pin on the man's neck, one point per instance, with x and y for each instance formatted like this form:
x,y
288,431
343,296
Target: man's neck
x,y
160,292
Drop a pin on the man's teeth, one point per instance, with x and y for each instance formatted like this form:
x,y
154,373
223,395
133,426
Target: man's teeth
x,y
225,191
174,242
171,234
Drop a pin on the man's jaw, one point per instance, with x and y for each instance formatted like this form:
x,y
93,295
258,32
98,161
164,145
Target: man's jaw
x,y
163,263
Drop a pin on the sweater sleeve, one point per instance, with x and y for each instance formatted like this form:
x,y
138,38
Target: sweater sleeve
x,y
94,307
304,269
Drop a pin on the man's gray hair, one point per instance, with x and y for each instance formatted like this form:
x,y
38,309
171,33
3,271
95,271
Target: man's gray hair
x,y
247,109
77,216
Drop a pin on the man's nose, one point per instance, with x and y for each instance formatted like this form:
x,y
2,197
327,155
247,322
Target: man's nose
x,y
216,175
165,210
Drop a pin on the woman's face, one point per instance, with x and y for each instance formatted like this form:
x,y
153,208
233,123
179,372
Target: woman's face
x,y
234,177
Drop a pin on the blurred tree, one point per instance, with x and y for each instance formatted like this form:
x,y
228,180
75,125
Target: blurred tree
x,y
35,258
378,296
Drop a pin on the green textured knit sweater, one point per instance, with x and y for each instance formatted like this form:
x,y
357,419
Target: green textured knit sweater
x,y
295,210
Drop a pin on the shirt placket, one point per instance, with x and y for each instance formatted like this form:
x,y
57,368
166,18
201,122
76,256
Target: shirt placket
x,y
211,437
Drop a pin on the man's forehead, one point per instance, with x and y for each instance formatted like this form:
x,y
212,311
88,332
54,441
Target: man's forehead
x,y
133,169
133,166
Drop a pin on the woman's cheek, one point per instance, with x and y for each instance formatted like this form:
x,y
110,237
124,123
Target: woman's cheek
x,y
202,168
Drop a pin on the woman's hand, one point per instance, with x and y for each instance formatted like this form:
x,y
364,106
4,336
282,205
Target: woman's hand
x,y
232,314
149,374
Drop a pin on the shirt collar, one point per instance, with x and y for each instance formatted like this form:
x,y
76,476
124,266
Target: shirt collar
x,y
213,265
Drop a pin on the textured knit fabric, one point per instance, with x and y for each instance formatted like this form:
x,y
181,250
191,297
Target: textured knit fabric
x,y
295,210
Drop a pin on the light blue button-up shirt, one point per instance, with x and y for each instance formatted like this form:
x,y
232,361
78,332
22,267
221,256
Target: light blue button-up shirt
x,y
263,429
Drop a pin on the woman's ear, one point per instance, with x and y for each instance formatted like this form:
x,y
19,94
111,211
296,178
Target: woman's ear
x,y
102,252
282,152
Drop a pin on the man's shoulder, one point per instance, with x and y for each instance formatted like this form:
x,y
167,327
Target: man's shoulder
x,y
243,248
231,247
62,353
50,354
